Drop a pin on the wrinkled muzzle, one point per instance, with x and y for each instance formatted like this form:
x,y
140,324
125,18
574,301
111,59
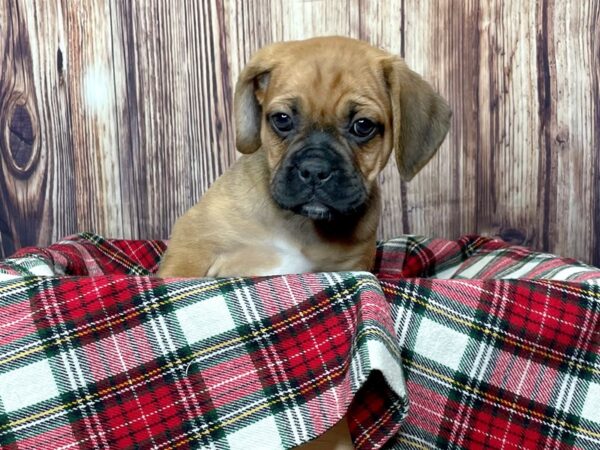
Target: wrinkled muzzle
x,y
319,181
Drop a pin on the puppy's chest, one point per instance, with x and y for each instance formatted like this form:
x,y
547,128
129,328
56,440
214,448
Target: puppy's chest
x,y
287,258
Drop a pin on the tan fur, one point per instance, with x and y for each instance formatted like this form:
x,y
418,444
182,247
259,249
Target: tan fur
x,y
234,229
230,232
336,438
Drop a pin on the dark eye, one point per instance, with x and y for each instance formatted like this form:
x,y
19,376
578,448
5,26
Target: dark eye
x,y
282,122
363,128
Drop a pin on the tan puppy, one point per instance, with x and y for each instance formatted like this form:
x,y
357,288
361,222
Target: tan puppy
x,y
317,120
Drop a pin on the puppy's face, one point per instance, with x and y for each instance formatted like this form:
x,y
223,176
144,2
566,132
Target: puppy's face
x,y
328,112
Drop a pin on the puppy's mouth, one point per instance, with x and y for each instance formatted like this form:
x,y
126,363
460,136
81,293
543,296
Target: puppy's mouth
x,y
320,210
314,210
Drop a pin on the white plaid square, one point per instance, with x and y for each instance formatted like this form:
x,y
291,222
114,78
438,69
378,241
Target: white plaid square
x,y
254,435
440,343
27,386
205,319
591,406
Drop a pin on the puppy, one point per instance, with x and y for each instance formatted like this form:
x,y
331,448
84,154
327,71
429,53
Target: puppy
x,y
316,121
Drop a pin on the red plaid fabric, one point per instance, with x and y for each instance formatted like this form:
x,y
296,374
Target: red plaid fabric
x,y
496,346
499,351
88,254
106,356
521,368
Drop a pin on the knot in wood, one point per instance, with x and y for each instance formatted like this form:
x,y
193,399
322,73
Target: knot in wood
x,y
21,140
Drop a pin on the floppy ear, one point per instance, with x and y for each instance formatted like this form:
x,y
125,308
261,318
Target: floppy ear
x,y
420,117
252,81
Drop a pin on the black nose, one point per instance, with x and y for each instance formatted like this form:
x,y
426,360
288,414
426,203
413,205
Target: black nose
x,y
314,171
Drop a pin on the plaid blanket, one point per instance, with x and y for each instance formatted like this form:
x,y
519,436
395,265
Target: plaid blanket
x,y
447,344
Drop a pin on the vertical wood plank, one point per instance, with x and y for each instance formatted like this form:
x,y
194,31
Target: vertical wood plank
x,y
91,85
23,171
595,63
509,167
51,77
572,138
37,196
174,102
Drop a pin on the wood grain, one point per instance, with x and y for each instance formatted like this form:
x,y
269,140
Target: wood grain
x,y
174,107
94,127
575,192
34,125
509,144
116,117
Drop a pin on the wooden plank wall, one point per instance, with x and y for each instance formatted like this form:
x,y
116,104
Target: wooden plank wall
x,y
115,116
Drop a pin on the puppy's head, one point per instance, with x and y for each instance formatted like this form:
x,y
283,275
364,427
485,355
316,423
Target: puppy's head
x,y
328,112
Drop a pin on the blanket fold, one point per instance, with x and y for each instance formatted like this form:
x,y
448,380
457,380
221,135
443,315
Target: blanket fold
x,y
467,343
